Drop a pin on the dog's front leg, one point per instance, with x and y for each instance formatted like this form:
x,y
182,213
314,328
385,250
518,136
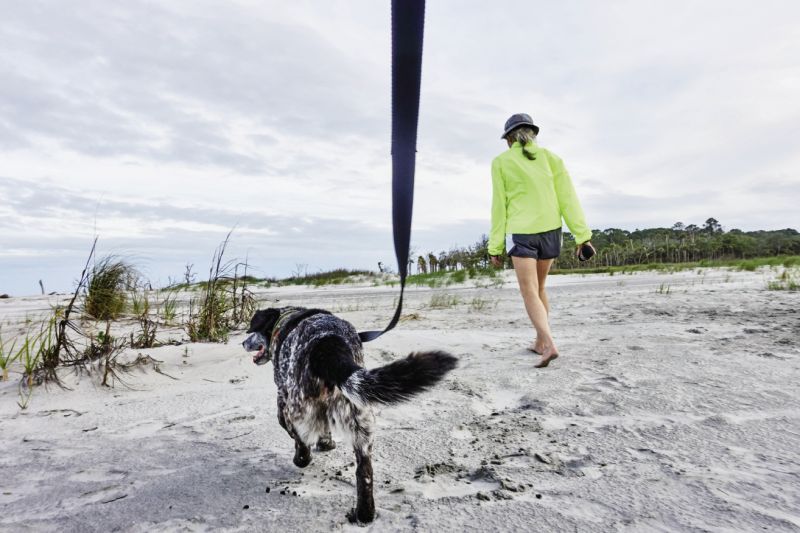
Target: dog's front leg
x,y
302,453
362,443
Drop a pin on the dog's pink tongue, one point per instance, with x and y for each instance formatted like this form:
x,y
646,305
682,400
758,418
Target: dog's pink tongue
x,y
259,353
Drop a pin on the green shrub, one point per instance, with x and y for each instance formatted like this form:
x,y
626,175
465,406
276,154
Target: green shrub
x,y
459,276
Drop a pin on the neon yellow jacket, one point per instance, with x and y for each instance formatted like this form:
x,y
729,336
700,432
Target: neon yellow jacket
x,y
532,196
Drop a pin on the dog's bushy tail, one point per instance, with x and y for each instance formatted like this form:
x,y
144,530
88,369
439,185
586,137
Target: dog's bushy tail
x,y
392,383
400,380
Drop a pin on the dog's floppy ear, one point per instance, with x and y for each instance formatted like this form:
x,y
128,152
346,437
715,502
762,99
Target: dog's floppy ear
x,y
263,321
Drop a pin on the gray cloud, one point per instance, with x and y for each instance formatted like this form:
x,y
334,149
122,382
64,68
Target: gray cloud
x,y
145,81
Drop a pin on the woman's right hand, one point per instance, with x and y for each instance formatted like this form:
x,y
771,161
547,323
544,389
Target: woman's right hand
x,y
497,262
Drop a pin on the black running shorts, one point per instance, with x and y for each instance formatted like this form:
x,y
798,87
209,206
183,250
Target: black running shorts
x,y
545,245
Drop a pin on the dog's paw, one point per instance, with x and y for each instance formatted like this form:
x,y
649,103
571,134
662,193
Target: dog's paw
x,y
325,445
361,518
302,455
302,461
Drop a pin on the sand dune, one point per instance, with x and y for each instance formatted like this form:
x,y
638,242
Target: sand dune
x,y
670,411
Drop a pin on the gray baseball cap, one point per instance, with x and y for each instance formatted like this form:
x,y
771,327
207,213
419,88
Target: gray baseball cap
x,y
520,119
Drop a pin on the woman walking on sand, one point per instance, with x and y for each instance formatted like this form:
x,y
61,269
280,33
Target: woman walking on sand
x,y
531,192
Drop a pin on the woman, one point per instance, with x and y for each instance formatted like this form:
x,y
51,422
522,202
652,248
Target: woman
x,y
531,192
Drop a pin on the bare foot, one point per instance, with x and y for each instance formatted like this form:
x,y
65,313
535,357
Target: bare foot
x,y
537,347
548,354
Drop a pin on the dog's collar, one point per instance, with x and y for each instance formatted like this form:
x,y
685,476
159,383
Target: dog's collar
x,y
284,317
287,320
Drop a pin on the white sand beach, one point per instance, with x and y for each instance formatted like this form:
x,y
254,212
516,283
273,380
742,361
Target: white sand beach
x,y
675,407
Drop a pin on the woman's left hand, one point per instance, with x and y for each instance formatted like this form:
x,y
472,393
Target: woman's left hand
x,y
578,248
496,261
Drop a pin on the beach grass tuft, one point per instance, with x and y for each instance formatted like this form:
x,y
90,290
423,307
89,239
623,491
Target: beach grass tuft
x,y
788,280
443,301
148,327
106,290
225,301
168,308
481,304
7,355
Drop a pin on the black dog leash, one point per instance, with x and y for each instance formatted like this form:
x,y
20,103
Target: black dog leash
x,y
408,23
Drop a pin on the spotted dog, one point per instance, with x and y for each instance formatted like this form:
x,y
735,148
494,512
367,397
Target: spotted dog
x,y
318,364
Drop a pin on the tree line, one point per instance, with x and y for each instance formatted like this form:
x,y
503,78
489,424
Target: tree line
x,y
618,247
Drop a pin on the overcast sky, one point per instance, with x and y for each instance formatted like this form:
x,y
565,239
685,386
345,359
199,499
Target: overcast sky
x,y
161,125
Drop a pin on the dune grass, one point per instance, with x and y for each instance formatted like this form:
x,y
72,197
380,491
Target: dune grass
x,y
148,325
788,280
168,308
7,355
443,301
443,278
225,302
29,356
336,276
106,289
481,304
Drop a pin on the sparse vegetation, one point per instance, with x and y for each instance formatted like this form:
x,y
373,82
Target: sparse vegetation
x,y
147,325
224,301
348,308
697,266
788,280
443,301
443,278
481,304
330,277
7,356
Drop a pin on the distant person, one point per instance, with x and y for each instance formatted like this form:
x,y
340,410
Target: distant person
x,y
531,192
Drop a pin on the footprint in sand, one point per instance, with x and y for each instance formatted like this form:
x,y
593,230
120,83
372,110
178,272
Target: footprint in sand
x,y
613,383
98,475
